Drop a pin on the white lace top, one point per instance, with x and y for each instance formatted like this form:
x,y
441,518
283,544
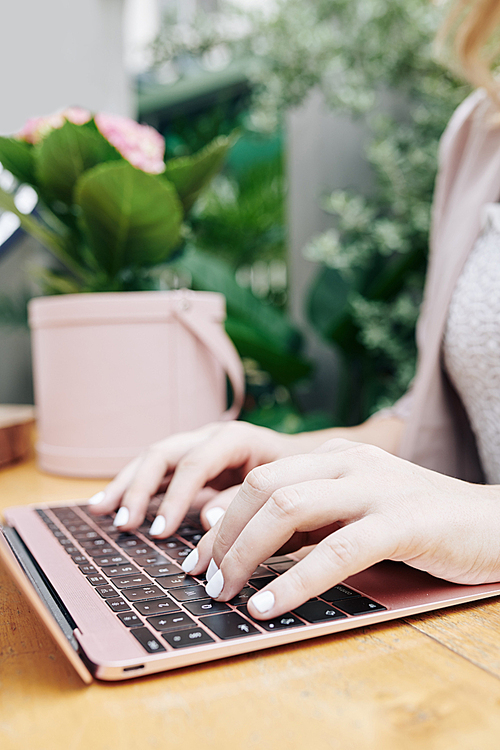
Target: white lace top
x,y
471,345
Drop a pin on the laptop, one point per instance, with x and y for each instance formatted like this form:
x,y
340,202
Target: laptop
x,y
120,606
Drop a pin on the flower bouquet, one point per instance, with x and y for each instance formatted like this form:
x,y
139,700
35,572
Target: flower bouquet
x,y
110,207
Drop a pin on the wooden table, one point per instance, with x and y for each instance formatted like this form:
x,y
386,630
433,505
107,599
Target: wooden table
x,y
428,682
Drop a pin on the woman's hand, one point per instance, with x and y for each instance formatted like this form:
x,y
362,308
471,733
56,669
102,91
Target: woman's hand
x,y
359,505
216,457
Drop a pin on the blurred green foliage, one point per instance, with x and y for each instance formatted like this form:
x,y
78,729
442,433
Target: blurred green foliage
x,y
372,59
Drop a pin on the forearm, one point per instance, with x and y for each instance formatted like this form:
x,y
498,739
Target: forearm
x,y
385,433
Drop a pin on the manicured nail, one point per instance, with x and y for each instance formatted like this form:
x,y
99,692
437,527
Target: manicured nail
x,y
121,517
158,526
191,560
263,601
97,498
211,570
215,585
213,514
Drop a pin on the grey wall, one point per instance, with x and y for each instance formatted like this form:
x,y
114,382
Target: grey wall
x,y
57,53
325,152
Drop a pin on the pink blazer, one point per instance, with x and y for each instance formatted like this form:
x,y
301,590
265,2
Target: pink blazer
x,y
437,433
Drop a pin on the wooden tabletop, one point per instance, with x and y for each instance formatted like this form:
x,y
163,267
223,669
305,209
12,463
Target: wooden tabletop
x,y
430,682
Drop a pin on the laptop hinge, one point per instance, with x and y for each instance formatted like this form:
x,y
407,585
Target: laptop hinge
x,y
41,584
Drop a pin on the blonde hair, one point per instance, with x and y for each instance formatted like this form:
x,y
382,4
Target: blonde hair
x,y
471,36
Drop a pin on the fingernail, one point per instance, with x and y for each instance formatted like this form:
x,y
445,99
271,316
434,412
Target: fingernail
x,y
97,498
215,585
212,569
121,517
158,526
263,601
213,515
191,560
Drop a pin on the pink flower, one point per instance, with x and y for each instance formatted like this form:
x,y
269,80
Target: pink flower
x,y
38,128
141,145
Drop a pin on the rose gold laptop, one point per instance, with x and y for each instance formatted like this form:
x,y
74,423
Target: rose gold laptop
x,y
120,606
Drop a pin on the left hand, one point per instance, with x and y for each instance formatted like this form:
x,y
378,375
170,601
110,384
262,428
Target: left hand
x,y
359,505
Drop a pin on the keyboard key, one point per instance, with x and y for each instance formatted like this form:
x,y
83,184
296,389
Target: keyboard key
x,y
360,606
71,550
79,559
338,592
128,541
276,559
111,559
105,552
157,606
243,596
137,552
259,583
177,621
119,570
229,625
282,567
169,544
153,559
117,605
147,640
107,592
88,569
288,620
179,554
178,581
92,544
189,593
96,580
261,572
205,607
186,638
130,619
316,611
127,582
87,534
169,569
142,593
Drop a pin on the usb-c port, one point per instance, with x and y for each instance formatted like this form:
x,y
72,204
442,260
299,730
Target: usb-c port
x,y
132,669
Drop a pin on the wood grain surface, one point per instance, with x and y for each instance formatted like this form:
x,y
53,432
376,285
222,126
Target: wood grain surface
x,y
428,683
16,424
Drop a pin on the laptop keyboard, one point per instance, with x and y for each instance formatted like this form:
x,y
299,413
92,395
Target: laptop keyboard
x,y
141,580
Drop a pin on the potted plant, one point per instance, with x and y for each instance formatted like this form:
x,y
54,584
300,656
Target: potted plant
x,y
123,364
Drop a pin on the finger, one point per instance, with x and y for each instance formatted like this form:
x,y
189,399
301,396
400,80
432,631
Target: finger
x,y
297,508
230,447
135,485
111,496
213,511
263,481
349,550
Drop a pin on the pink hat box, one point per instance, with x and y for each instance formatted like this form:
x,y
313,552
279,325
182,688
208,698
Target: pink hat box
x,y
115,372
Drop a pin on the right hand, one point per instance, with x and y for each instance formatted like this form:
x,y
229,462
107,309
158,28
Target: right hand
x,y
217,456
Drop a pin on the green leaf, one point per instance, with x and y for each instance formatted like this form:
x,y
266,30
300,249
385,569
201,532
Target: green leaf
x,y
65,154
258,331
284,367
191,174
131,219
17,157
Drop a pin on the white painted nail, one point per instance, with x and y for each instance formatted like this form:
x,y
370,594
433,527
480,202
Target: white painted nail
x,y
191,561
211,570
121,517
158,526
263,601
215,585
97,498
213,515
